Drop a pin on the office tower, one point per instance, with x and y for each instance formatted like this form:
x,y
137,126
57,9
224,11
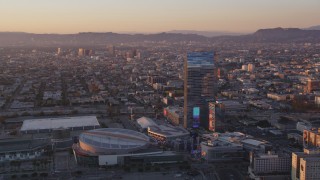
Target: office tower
x,y
306,164
111,50
244,67
129,54
88,52
317,100
134,52
271,165
59,51
312,85
85,52
81,52
311,138
198,88
251,67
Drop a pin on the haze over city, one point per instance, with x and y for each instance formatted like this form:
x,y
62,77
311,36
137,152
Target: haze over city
x,y
151,16
161,90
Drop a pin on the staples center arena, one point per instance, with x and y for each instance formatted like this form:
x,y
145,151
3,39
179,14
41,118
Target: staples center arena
x,y
111,146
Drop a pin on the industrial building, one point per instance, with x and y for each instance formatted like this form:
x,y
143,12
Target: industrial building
x,y
47,125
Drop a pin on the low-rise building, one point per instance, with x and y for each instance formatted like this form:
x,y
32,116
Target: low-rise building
x,y
167,133
218,150
269,166
46,125
305,165
174,114
22,149
278,97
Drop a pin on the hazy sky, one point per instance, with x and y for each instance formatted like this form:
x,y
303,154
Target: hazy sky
x,y
71,16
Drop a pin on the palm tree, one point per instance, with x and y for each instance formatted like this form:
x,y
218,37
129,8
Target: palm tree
x,y
12,163
34,164
18,165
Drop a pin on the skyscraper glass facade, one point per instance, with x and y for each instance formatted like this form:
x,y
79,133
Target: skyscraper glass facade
x,y
199,86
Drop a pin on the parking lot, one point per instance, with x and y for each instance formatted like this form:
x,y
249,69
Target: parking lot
x,y
229,174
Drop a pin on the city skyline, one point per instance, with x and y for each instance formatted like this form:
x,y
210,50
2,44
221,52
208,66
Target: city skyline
x,y
61,17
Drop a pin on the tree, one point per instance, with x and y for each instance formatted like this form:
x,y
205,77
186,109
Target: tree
x,y
37,164
74,112
55,113
43,174
34,164
19,165
79,173
70,151
24,176
103,125
25,114
35,174
15,115
127,169
157,168
12,165
41,113
13,176
2,119
147,168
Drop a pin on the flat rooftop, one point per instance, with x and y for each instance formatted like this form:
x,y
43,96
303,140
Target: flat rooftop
x,y
253,142
62,122
168,131
14,145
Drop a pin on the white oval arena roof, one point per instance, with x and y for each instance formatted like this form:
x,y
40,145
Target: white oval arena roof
x,y
114,138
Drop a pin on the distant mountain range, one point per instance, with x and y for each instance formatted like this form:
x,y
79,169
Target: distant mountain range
x,y
314,28
279,35
89,38
275,35
206,33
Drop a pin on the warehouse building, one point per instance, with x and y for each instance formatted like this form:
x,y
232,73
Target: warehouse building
x,y
47,125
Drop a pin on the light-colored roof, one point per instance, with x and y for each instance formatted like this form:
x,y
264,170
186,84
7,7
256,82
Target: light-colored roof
x,y
145,122
168,131
253,142
62,122
114,138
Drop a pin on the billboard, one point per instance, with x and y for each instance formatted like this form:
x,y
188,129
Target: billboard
x,y
165,112
312,137
196,117
318,140
212,116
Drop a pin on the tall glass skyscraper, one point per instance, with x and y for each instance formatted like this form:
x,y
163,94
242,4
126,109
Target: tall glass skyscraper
x,y
199,87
